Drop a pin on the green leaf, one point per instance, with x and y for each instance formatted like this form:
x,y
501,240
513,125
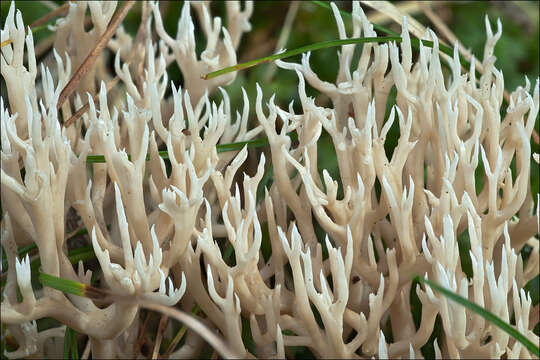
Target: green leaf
x,y
495,320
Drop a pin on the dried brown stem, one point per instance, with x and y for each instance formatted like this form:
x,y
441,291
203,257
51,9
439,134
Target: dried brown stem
x,y
86,106
142,330
162,323
138,49
535,136
443,29
196,325
94,54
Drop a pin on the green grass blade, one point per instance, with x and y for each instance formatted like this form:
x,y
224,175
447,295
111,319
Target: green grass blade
x,y
71,287
255,143
91,159
42,27
300,50
415,43
84,253
70,343
325,45
495,320
74,345
67,338
328,44
64,285
239,145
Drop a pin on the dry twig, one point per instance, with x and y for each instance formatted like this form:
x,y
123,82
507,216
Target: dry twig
x,y
196,325
94,54
159,337
142,330
283,36
86,106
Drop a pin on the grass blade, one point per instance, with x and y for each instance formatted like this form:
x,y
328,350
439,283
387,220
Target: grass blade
x,y
72,287
495,320
67,337
325,45
255,143
74,345
161,327
70,344
332,43
64,285
300,50
83,253
80,289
